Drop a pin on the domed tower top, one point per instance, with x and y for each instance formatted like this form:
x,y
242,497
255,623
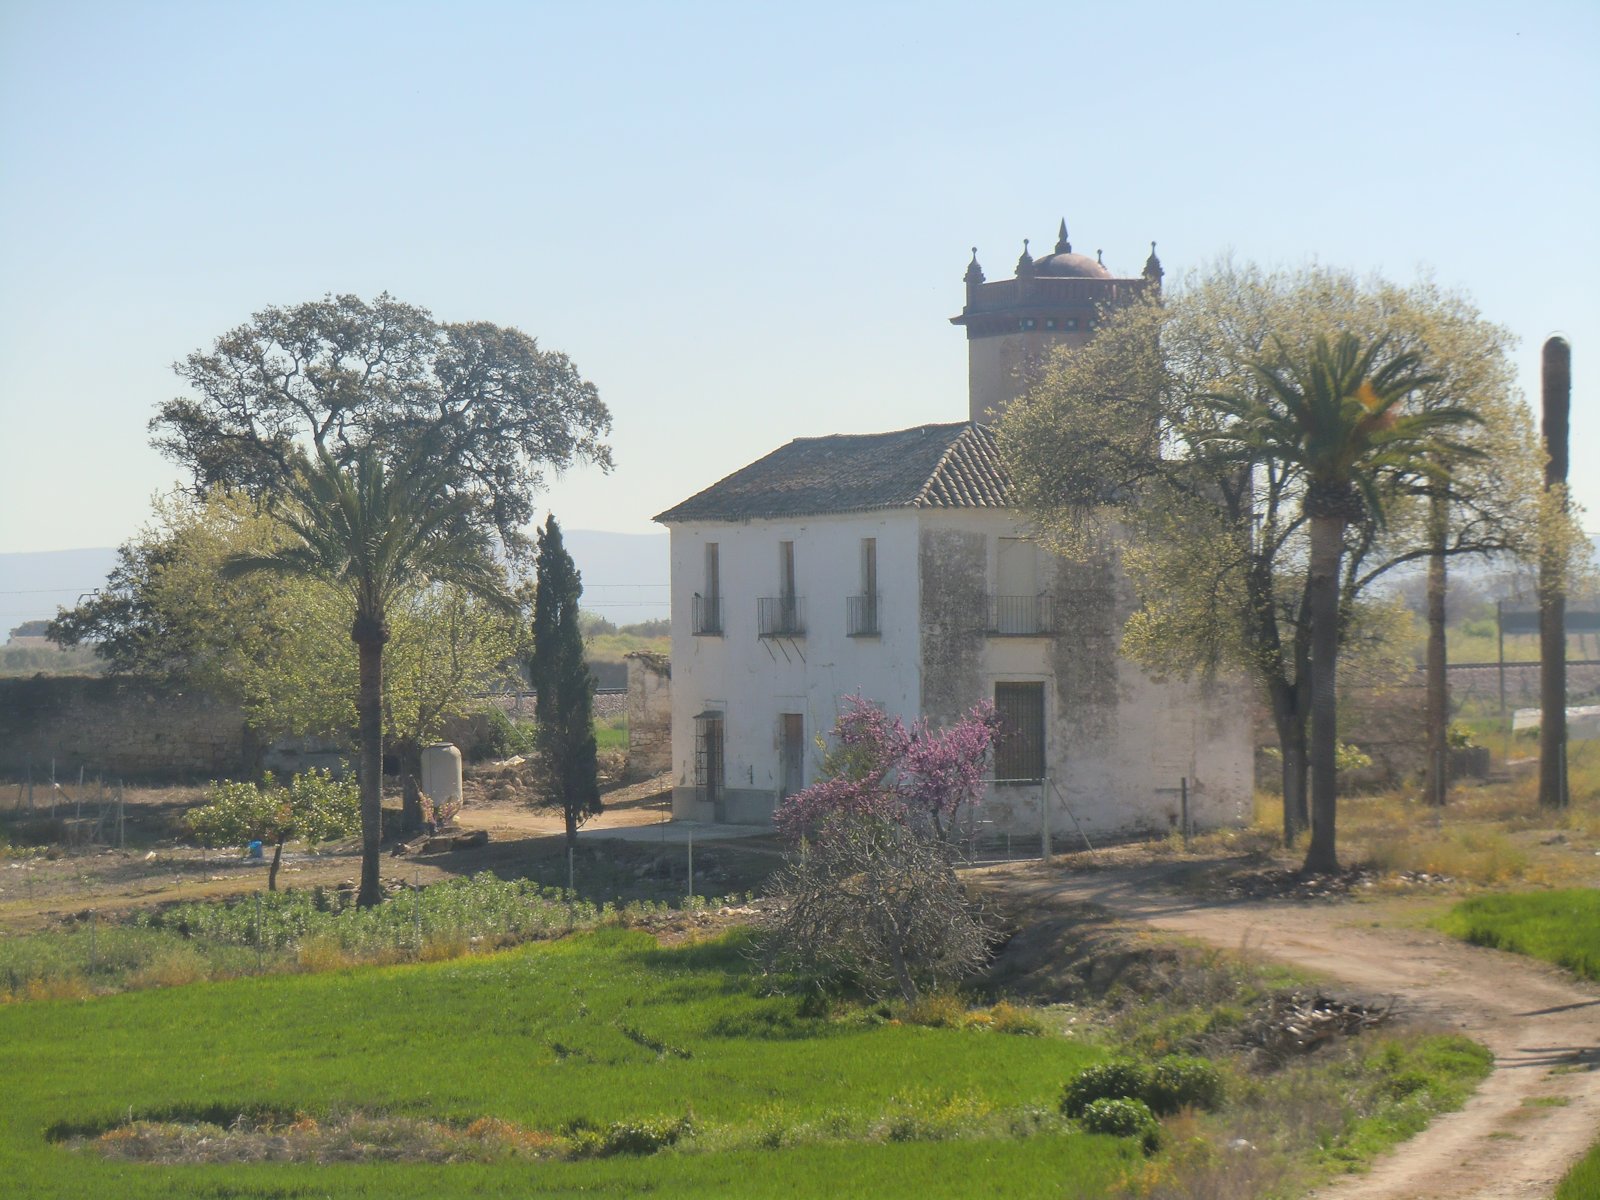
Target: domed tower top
x,y
1013,324
1064,264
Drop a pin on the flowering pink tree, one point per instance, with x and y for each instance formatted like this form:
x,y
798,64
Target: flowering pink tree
x,y
870,894
880,767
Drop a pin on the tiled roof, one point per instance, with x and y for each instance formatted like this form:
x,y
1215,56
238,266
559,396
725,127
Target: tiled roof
x,y
930,466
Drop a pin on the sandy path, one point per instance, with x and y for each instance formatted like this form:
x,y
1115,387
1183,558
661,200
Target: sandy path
x,y
1535,1114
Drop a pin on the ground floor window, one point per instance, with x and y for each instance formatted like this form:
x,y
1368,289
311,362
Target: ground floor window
x,y
1020,752
708,754
791,753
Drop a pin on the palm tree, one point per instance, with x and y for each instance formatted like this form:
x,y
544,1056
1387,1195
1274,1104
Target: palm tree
x,y
371,532
1336,418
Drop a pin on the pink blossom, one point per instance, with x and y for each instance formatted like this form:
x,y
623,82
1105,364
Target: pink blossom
x,y
880,768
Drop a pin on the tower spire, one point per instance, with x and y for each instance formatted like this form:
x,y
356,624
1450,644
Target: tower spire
x,y
974,273
1152,267
1062,245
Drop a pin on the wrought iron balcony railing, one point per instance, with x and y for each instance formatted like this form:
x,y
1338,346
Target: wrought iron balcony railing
x,y
707,616
861,615
780,616
1020,616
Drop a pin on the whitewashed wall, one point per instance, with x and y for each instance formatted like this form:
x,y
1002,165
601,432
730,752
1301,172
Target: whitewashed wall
x,y
753,680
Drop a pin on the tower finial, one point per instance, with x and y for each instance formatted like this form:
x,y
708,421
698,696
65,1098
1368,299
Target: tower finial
x,y
1025,262
1100,257
974,273
1152,267
1062,245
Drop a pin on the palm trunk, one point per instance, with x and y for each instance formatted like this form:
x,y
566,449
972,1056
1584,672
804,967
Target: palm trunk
x,y
369,713
1437,768
1327,546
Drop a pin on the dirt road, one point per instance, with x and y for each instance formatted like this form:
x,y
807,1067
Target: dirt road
x,y
1535,1114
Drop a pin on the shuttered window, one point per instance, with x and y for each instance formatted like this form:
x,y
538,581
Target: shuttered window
x,y
1020,753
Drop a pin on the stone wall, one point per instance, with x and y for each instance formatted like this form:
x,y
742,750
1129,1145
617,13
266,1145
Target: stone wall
x,y
122,727
649,708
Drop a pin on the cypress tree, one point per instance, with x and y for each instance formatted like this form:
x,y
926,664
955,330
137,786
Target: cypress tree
x,y
563,687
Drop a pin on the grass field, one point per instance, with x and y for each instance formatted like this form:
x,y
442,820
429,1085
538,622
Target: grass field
x,y
1583,1181
1562,927
592,1030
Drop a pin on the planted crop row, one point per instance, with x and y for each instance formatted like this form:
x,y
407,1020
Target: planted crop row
x,y
310,929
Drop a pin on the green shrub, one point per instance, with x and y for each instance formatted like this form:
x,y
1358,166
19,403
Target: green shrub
x,y
937,1010
645,1137
1119,1079
1005,1017
1123,1118
1180,1081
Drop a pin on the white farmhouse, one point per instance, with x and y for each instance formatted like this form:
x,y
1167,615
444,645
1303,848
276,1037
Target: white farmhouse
x,y
892,565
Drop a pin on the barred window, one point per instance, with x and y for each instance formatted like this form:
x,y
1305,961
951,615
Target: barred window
x,y
1020,752
708,753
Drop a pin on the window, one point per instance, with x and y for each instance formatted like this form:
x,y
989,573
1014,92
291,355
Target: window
x,y
708,741
791,753
786,570
781,615
861,615
1018,607
708,604
1019,756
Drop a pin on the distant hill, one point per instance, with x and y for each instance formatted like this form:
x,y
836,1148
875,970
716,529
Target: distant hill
x,y
625,577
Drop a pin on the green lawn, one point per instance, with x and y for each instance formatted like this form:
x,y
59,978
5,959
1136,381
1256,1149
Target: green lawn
x,y
602,1027
1562,927
1583,1181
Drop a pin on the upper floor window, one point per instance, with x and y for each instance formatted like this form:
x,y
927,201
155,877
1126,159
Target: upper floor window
x,y
781,615
708,601
861,611
1018,605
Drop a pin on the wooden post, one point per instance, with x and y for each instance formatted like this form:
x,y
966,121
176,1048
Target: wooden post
x,y
1044,818
1500,642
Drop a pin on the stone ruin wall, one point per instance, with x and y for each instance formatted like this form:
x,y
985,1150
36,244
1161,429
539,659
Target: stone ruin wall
x,y
118,727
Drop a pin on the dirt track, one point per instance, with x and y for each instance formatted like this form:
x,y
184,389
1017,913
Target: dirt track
x,y
1536,1114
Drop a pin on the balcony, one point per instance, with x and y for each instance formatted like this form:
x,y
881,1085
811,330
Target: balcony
x,y
861,615
707,616
1020,616
780,616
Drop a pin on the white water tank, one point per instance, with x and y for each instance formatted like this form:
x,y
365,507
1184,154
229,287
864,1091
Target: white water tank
x,y
441,774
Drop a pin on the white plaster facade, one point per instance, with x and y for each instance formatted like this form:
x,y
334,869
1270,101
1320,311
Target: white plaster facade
x,y
1116,742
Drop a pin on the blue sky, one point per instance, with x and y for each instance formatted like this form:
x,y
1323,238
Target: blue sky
x,y
745,225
